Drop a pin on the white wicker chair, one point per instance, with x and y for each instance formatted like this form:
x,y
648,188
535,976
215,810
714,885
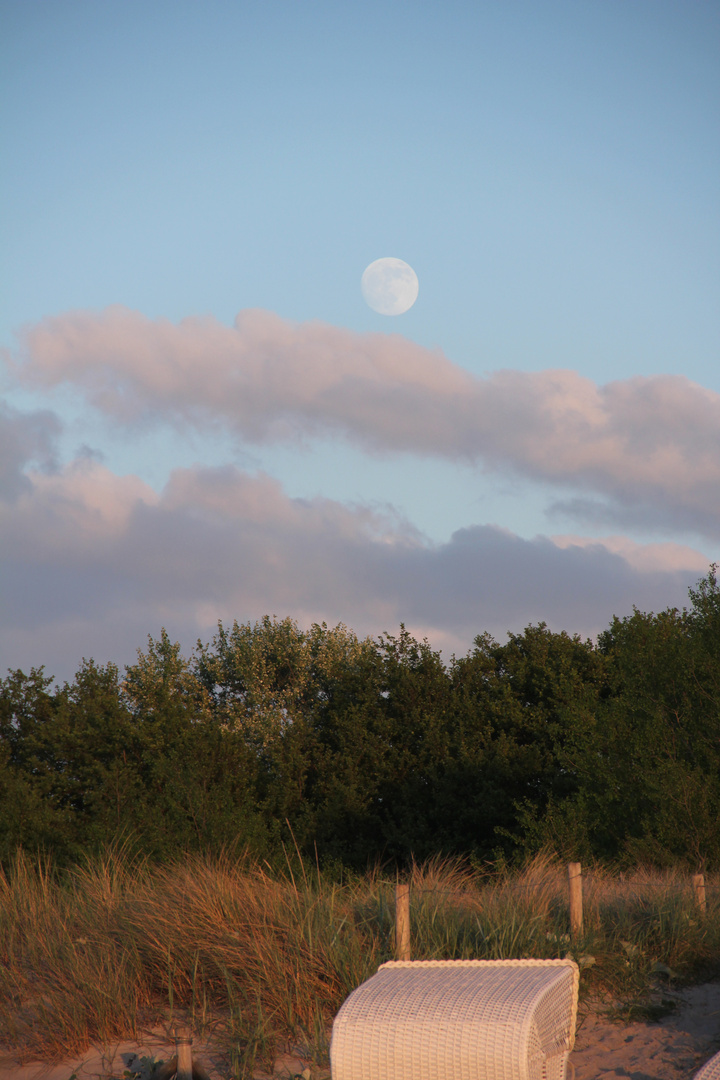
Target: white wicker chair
x,y
710,1070
458,1020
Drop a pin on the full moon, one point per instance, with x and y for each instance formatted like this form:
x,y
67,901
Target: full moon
x,y
389,286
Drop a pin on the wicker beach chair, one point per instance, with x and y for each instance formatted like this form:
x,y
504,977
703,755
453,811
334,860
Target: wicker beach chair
x,y
458,1020
710,1070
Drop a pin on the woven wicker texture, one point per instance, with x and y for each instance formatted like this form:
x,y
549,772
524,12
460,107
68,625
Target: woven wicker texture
x,y
458,1020
710,1070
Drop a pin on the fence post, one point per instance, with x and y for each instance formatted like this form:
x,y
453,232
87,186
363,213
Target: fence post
x,y
183,1044
402,921
699,887
576,898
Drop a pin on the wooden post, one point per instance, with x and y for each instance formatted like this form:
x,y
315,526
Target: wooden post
x,y
166,1070
183,1044
576,898
699,887
402,921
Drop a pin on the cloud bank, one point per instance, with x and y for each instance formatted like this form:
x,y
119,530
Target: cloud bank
x,y
643,451
92,562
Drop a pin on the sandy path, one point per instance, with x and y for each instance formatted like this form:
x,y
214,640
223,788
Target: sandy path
x,y
672,1049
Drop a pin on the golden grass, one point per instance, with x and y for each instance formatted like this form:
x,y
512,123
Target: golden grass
x,y
95,954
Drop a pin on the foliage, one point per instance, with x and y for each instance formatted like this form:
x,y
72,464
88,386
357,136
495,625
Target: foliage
x,y
315,743
647,758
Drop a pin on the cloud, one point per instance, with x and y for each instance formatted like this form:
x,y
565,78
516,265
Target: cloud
x,y
644,451
93,562
642,557
25,438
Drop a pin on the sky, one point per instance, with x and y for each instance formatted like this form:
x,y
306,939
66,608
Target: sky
x,y
202,420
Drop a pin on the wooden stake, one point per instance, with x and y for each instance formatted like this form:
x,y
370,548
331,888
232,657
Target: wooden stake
x,y
183,1044
166,1070
402,921
699,887
576,898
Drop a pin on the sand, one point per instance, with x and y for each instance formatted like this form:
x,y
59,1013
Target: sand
x,y
672,1049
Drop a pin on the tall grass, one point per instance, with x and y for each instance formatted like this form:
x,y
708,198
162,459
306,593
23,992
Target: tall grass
x,y
98,953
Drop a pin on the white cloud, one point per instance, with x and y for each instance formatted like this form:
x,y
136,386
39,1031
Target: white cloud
x,y
644,451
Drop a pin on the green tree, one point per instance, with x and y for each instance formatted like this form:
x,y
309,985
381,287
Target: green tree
x,y
377,736
515,706
199,776
28,818
647,760
282,690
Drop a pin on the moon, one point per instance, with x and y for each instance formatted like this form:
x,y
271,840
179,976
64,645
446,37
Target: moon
x,y
390,286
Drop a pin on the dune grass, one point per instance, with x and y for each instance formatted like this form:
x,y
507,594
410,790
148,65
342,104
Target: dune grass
x,y
263,962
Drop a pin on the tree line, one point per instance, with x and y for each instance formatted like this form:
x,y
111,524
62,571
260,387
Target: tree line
x,y
354,751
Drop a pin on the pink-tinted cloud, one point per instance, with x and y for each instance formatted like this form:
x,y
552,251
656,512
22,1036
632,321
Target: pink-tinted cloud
x,y
93,562
663,557
642,450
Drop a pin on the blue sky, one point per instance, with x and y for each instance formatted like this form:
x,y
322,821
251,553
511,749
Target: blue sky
x,y
549,170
